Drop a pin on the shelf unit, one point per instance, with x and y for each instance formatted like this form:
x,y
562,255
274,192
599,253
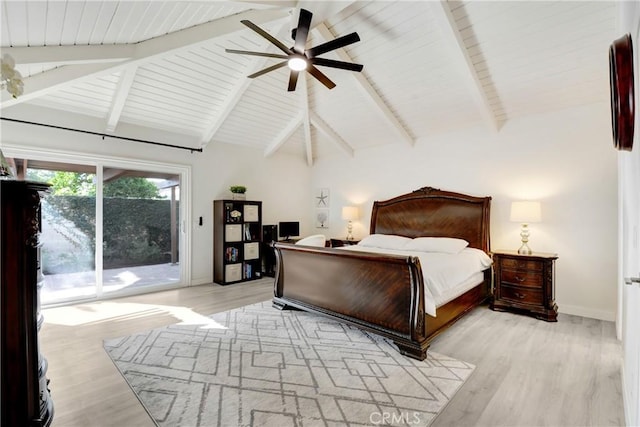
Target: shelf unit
x,y
237,233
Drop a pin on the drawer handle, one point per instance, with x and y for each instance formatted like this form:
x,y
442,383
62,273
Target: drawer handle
x,y
520,279
519,295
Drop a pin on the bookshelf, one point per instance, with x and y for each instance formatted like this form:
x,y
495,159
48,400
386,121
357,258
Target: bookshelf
x,y
237,233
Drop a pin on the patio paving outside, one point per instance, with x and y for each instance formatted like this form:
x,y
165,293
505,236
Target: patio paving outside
x,y
67,286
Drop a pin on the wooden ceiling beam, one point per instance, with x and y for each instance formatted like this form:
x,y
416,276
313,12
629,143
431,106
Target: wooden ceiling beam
x,y
262,3
45,83
368,89
21,170
306,121
145,51
456,46
322,10
283,136
322,126
235,95
120,97
66,55
109,174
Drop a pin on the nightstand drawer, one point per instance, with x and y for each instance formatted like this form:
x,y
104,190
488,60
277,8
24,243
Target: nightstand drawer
x,y
522,264
531,279
525,283
521,294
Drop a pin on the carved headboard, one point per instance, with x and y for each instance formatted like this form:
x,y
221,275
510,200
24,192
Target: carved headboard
x,y
430,212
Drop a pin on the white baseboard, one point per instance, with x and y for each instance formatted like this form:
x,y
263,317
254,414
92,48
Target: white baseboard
x,y
201,281
577,310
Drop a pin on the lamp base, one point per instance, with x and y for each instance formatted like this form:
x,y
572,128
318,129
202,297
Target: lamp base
x,y
349,230
524,236
525,250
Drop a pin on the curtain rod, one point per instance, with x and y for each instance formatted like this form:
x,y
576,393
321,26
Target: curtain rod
x,y
103,135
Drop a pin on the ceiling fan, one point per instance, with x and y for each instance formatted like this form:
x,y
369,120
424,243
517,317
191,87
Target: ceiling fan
x,y
297,58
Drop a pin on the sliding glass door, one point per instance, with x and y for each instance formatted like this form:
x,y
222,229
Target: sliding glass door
x,y
68,228
140,246
108,229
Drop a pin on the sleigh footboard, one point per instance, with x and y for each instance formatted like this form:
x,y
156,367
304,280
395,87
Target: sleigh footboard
x,y
380,293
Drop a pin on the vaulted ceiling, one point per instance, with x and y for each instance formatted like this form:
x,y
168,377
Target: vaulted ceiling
x,y
429,67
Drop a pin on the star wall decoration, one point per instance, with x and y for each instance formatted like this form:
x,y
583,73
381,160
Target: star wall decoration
x,y
322,198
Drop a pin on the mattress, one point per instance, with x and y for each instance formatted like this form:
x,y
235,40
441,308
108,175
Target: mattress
x,y
446,276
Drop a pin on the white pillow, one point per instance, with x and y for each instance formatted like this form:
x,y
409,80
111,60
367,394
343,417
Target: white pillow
x,y
315,240
447,245
385,241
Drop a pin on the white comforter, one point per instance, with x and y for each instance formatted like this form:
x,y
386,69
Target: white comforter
x,y
445,275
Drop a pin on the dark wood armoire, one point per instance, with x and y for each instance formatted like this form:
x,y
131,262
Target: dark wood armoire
x,y
25,400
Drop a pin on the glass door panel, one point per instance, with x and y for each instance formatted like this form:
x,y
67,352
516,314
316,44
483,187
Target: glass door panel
x,y
68,228
140,229
106,230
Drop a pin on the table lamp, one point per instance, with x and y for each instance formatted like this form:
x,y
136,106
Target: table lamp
x,y
525,212
350,213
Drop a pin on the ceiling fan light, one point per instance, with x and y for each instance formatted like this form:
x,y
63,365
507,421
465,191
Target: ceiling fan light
x,y
297,63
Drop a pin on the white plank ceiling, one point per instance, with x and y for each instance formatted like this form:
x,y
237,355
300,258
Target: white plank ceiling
x,y
429,67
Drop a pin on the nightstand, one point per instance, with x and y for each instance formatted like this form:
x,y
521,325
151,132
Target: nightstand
x,y
525,284
336,243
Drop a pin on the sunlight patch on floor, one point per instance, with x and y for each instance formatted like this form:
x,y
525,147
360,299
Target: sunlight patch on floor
x,y
84,314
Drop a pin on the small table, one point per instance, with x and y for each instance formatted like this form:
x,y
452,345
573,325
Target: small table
x,y
336,243
525,284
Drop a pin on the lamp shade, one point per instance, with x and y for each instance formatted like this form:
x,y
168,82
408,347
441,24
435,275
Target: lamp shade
x,y
350,213
525,212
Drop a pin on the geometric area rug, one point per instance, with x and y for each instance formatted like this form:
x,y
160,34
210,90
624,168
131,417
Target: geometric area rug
x,y
259,366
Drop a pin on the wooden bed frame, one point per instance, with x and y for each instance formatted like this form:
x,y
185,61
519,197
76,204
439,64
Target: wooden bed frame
x,y
385,293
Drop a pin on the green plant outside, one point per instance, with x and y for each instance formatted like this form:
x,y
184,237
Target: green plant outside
x,y
136,232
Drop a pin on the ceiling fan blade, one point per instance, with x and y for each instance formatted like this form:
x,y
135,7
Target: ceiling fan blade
x,y
333,44
321,77
337,64
246,52
302,31
266,70
266,35
293,80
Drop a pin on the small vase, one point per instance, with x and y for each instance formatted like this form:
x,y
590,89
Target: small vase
x,y
239,196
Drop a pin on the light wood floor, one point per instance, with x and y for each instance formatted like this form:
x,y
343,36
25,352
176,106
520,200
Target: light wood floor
x,y
528,372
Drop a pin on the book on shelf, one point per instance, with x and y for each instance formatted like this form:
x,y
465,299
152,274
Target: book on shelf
x,y
232,254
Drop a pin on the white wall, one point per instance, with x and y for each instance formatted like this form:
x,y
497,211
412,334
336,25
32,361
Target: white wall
x,y
282,182
564,159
